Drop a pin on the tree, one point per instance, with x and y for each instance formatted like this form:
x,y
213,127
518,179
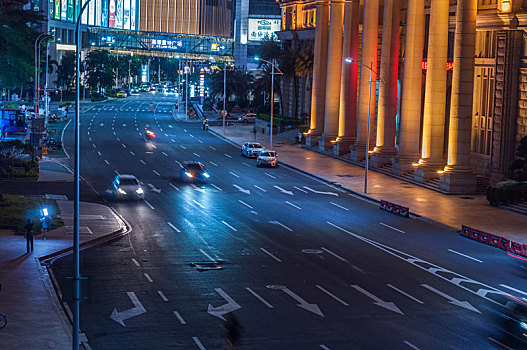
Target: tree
x,y
519,165
100,65
66,71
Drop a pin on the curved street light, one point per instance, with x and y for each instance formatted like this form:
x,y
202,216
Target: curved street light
x,y
38,40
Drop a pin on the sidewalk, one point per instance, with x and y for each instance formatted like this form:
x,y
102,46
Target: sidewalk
x,y
451,211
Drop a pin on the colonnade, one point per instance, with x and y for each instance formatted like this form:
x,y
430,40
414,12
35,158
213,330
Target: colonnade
x,y
343,96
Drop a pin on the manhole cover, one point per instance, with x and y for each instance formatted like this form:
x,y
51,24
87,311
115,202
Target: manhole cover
x,y
311,251
275,286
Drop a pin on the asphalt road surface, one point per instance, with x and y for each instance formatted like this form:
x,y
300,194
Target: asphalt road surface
x,y
300,263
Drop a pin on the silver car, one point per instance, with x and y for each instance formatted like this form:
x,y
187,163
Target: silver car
x,y
251,149
267,158
127,187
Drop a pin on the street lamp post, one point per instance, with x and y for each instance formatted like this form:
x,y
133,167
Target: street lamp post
x,y
273,66
224,112
129,73
37,64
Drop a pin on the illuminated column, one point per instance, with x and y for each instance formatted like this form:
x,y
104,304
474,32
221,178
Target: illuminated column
x,y
409,126
333,75
458,176
435,94
385,144
320,60
348,83
370,25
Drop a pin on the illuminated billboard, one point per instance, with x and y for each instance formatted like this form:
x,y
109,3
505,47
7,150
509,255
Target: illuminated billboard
x,y
71,10
84,14
262,28
91,16
126,14
64,10
119,14
132,14
98,12
111,12
57,9
104,13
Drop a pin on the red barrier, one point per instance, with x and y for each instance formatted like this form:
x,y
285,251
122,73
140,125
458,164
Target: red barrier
x,y
474,234
504,244
394,208
465,231
383,204
494,240
484,237
515,248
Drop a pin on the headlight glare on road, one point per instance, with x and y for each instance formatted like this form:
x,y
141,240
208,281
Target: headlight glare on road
x,y
206,175
188,174
523,325
139,190
121,191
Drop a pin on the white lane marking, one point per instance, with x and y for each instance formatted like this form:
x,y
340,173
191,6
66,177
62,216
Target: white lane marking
x,y
155,172
185,130
301,190
233,174
411,345
198,343
198,203
393,228
149,278
466,256
212,147
229,226
135,262
115,171
89,138
405,294
177,161
284,226
93,145
118,139
249,165
150,205
189,223
270,254
174,186
142,161
261,189
173,227
332,295
132,153
339,206
114,132
172,140
181,320
247,205
154,146
166,155
334,254
500,344
259,298
197,155
162,296
191,135
182,146
99,153
123,145
106,162
274,177
324,347
213,163
291,204
452,300
200,141
513,289
226,155
207,255
216,187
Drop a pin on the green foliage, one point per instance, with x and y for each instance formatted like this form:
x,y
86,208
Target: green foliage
x,y
66,71
519,165
96,97
506,194
100,65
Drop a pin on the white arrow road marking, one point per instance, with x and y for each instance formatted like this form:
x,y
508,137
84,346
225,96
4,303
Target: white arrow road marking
x,y
405,294
181,320
259,298
162,296
149,278
301,190
339,206
411,345
173,227
321,192
229,226
153,188
466,256
261,189
242,189
332,295
385,304
198,343
270,254
393,228
302,303
452,300
280,224
513,289
283,191
198,203
247,205
223,309
271,176
294,206
137,310
334,254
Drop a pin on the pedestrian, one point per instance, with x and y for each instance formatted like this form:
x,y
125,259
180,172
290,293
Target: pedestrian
x,y
255,132
232,332
44,220
29,235
263,131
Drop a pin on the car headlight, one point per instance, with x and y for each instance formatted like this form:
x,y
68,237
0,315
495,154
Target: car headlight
x,y
206,175
523,325
188,174
139,191
121,191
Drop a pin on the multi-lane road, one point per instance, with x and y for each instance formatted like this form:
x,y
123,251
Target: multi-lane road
x,y
300,263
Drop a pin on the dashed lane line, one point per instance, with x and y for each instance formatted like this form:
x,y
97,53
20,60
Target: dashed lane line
x,y
163,153
149,278
197,155
284,226
393,228
270,254
116,172
142,161
405,294
513,289
207,255
198,203
155,172
106,162
261,189
233,174
135,262
332,295
259,298
248,165
500,344
227,155
466,256
212,148
173,186
198,343
150,205
334,254
182,146
229,226
200,141
213,163
123,145
339,206
132,153
180,319
247,205
173,227
271,176
216,187
162,295
322,346
293,205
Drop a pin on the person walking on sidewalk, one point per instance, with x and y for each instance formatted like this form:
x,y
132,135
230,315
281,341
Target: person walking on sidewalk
x,y
45,225
29,235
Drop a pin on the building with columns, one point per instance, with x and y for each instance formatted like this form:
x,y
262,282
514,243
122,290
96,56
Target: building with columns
x,y
434,89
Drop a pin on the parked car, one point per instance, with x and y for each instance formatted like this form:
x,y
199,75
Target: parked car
x,y
127,187
247,118
194,171
251,149
267,158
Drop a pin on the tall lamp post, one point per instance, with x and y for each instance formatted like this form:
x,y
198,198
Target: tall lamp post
x,y
39,38
273,66
350,60
224,112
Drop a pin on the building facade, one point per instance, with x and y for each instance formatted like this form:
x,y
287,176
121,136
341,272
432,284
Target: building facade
x,y
432,88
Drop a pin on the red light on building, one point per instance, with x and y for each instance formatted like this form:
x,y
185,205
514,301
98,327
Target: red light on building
x,y
449,65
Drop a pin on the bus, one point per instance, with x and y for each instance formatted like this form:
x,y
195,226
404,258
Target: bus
x,y
12,120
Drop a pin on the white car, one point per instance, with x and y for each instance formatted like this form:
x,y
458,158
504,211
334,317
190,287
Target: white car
x,y
251,149
247,118
268,158
127,187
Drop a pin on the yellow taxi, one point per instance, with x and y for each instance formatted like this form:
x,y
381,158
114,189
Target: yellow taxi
x,y
121,94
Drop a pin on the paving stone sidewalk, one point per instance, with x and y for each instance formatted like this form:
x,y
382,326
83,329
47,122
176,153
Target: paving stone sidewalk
x,y
451,211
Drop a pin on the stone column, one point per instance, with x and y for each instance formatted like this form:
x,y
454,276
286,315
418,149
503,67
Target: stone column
x,y
348,84
320,59
370,24
385,150
333,75
435,94
409,127
458,176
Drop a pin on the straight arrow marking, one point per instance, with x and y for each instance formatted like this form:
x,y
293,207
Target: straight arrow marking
x,y
321,192
451,300
302,303
242,189
283,191
378,301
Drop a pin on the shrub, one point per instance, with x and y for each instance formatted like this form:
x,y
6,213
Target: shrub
x,y
506,194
